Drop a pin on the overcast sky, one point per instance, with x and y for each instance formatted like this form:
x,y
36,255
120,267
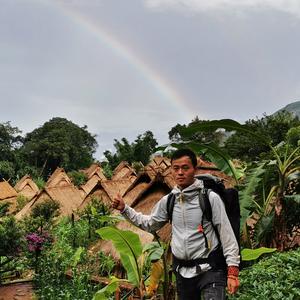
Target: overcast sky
x,y
122,67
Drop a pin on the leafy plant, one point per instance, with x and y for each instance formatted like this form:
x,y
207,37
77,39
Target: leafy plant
x,y
133,256
275,277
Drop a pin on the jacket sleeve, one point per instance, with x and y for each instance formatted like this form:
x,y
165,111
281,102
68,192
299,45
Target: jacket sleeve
x,y
151,223
220,220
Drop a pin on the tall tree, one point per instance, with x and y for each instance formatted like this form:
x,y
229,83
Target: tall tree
x,y
215,136
59,143
10,141
274,128
140,150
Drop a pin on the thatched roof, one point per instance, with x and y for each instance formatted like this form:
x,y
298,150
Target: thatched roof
x,y
68,198
58,178
97,192
157,166
9,195
137,188
94,169
124,171
112,187
7,191
27,187
90,185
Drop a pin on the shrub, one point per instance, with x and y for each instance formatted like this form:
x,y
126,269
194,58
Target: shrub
x,y
78,178
21,202
276,277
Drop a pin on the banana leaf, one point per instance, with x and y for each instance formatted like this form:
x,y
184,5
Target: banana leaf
x,y
108,289
246,195
128,244
228,124
252,254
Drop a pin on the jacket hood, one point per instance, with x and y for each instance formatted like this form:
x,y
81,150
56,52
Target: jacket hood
x,y
198,184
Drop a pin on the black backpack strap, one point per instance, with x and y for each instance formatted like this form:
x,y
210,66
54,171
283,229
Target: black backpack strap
x,y
170,206
207,213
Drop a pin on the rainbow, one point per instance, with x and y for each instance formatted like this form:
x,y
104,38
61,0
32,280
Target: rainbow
x,y
151,76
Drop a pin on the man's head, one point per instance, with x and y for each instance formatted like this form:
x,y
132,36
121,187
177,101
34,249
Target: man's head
x,y
183,163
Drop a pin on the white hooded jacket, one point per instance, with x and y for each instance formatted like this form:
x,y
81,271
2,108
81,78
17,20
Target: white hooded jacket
x,y
188,242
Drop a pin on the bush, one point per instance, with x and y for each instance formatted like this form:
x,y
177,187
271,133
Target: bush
x,y
21,202
276,277
78,178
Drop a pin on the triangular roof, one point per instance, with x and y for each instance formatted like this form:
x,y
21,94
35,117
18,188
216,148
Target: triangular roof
x,y
94,169
27,187
89,185
157,166
7,191
124,170
59,178
113,187
67,196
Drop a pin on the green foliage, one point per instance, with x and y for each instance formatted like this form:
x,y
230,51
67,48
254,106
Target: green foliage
x,y
107,169
253,254
106,264
275,277
7,169
140,150
40,182
273,128
9,141
78,178
21,202
51,282
45,210
134,258
129,246
59,142
293,136
213,136
4,208
10,236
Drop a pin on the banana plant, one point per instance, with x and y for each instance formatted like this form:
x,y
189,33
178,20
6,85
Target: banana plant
x,y
286,166
133,256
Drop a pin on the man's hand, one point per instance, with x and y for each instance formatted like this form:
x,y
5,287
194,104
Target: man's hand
x,y
232,279
118,203
232,284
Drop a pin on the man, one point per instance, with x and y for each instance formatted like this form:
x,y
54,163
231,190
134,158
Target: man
x,y
196,249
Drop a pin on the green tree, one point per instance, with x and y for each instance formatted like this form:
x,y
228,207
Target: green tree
x,y
59,142
215,136
274,128
11,241
140,150
10,139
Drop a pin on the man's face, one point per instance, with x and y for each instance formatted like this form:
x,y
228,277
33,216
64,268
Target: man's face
x,y
183,171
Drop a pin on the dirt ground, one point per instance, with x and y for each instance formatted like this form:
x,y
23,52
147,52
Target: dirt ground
x,y
16,291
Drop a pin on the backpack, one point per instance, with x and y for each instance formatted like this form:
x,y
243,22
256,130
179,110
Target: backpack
x,y
229,197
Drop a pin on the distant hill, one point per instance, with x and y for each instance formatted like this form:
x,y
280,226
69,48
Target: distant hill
x,y
294,108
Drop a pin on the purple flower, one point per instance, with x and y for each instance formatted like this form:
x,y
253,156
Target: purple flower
x,y
36,241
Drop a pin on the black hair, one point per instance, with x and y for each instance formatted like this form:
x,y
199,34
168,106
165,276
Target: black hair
x,y
185,152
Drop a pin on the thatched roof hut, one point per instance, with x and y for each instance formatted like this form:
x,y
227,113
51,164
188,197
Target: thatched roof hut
x,y
27,187
124,171
94,169
58,178
96,190
8,195
67,196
